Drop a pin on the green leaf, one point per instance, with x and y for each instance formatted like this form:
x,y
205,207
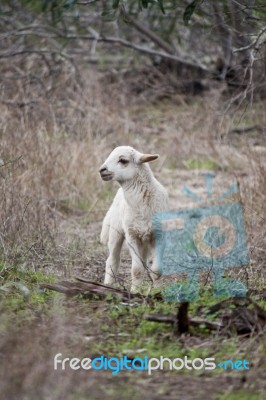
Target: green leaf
x,y
145,3
160,2
109,14
189,11
68,4
116,3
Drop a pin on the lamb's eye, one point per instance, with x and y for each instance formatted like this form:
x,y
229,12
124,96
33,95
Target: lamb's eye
x,y
123,161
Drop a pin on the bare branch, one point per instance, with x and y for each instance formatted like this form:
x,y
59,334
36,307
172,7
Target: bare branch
x,y
226,39
11,161
85,3
146,32
37,30
255,44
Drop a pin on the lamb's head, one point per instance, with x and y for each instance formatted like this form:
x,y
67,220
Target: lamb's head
x,y
123,162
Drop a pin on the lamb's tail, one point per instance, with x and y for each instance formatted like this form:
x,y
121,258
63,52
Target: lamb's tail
x,y
105,231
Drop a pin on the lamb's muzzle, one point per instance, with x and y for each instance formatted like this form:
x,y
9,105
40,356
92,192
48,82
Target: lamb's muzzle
x,y
105,174
130,216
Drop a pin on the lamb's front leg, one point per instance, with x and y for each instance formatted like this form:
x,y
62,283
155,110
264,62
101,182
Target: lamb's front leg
x,y
115,243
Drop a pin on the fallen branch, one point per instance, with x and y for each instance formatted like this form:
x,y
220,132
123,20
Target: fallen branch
x,y
248,129
171,319
89,289
19,104
165,319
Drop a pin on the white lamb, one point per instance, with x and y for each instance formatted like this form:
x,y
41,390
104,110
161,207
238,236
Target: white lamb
x,y
130,215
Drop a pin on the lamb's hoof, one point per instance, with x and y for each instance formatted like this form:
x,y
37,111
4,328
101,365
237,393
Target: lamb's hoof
x,y
115,285
137,289
109,283
155,276
134,289
142,289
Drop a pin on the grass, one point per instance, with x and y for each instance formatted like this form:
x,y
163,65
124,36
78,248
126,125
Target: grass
x,y
20,293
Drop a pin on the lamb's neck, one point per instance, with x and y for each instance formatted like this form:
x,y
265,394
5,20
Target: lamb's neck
x,y
140,189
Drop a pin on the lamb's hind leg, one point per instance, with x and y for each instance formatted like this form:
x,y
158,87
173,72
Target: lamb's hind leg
x,y
154,271
115,243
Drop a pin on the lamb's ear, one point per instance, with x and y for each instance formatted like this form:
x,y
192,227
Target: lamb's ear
x,y
148,157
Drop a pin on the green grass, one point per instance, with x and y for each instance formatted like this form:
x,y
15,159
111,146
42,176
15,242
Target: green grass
x,y
141,337
241,395
122,330
204,164
20,295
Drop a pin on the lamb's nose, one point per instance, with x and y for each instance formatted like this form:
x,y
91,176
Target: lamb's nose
x,y
102,169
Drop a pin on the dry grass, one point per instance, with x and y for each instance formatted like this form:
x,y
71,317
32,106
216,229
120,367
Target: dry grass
x,y
48,167
51,152
52,200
